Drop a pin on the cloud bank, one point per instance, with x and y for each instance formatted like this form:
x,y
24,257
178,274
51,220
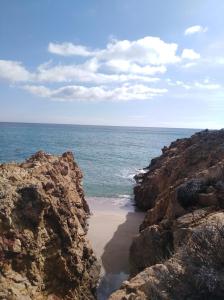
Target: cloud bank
x,y
97,93
124,70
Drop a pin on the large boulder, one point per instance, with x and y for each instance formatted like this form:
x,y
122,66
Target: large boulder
x,y
150,247
44,252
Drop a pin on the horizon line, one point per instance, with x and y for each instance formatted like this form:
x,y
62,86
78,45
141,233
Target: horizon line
x,y
100,125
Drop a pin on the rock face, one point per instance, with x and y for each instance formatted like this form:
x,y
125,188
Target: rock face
x,y
44,252
179,252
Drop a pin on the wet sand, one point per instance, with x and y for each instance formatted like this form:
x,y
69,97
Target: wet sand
x,y
112,226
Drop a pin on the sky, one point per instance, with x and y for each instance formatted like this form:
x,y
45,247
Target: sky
x,y
155,63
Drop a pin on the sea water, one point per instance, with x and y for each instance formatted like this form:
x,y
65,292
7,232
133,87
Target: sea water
x,y
108,156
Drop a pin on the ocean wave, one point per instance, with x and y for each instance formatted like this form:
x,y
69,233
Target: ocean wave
x,y
127,174
121,201
111,203
124,196
130,174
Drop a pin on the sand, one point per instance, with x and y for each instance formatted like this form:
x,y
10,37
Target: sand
x,y
112,226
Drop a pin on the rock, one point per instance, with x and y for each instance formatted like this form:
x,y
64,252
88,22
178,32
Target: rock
x,y
207,199
188,192
149,247
16,247
179,251
193,272
44,252
185,160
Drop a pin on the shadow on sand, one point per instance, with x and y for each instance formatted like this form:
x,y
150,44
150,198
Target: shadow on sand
x,y
115,258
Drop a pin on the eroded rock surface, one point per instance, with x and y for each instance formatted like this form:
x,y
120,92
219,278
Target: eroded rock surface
x,y
179,251
44,252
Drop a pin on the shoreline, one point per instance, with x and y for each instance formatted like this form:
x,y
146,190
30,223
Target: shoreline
x,y
112,226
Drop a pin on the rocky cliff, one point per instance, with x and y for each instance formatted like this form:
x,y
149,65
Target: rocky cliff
x,y
179,252
44,252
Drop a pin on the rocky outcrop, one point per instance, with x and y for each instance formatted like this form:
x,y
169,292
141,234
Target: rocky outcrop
x,y
44,252
179,251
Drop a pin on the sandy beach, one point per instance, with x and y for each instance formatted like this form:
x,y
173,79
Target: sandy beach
x,y
112,225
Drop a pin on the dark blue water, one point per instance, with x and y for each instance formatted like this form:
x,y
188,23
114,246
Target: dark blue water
x,y
108,156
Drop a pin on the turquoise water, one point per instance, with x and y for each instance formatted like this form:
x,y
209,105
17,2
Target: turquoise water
x,y
108,156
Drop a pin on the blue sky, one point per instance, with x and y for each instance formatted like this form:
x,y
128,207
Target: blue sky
x,y
113,62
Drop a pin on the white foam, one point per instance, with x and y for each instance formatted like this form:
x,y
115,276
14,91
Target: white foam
x,y
130,174
118,204
121,201
142,171
127,174
124,196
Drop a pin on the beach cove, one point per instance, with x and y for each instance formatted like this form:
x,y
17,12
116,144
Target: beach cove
x,y
112,226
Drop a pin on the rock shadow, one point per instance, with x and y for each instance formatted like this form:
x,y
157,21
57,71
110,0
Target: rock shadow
x,y
115,258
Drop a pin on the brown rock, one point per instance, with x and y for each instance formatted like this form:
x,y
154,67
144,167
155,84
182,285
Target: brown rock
x,y
183,195
44,252
199,158
207,199
151,246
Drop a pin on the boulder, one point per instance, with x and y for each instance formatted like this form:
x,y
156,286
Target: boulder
x,y
44,252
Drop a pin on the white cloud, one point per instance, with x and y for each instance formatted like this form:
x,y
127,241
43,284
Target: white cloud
x,y
13,71
148,50
143,57
99,93
178,83
190,54
195,29
68,49
182,84
119,61
39,90
120,71
124,66
207,85
85,73
189,65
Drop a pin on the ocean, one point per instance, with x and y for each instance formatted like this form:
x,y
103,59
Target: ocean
x,y
108,156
